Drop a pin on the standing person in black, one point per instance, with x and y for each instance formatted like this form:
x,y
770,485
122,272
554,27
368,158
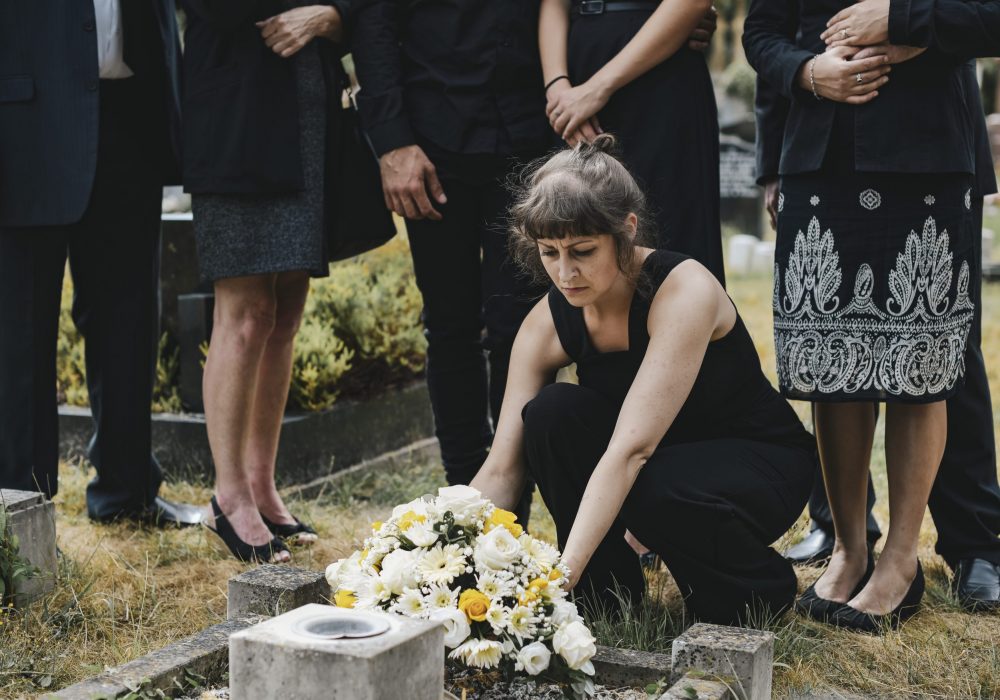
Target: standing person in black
x,y
873,269
965,499
625,67
451,97
673,431
89,134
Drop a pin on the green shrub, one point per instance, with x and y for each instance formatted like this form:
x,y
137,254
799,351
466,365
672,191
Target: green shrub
x,y
360,333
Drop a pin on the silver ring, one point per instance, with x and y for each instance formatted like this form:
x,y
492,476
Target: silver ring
x,y
843,33
860,79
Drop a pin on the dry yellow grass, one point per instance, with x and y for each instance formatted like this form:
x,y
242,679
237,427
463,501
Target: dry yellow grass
x,y
124,592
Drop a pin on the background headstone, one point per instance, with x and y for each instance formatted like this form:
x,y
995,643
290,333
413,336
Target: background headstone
x,y
741,198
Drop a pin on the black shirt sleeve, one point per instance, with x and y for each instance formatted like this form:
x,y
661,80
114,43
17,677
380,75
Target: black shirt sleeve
x,y
377,62
769,41
963,28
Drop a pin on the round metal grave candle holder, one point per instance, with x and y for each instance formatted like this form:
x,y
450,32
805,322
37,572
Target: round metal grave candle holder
x,y
342,626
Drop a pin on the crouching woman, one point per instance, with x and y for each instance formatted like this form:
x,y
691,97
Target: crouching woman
x,y
673,432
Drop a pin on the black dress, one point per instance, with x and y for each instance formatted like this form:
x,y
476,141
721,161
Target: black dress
x,y
668,129
729,477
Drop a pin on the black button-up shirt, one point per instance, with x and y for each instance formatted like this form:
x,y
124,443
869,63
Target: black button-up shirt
x,y
464,75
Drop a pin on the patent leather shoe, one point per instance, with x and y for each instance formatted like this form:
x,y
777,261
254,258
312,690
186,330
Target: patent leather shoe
x,y
812,605
977,585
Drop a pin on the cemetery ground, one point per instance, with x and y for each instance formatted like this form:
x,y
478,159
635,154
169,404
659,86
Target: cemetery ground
x,y
123,592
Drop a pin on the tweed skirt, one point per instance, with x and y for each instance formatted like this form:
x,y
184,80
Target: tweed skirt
x,y
872,283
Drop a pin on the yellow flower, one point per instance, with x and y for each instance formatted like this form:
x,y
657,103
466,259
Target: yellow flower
x,y
538,585
377,525
474,604
504,518
528,597
345,598
407,519
555,575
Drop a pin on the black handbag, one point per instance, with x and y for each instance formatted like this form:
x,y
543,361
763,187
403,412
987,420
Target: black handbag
x,y
356,216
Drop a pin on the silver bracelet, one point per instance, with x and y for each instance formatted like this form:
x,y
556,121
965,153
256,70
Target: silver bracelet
x,y
812,79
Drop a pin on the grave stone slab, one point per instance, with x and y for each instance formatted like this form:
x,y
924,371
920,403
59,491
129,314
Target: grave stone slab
x,y
273,589
693,685
744,655
33,522
294,657
629,667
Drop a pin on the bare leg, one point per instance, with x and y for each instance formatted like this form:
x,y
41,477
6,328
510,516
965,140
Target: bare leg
x,y
844,432
914,444
244,319
273,379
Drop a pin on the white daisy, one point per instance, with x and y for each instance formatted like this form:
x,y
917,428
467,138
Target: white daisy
x,y
441,597
442,564
479,653
521,622
411,604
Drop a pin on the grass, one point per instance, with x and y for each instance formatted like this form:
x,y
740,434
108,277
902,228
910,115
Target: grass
x,y
123,592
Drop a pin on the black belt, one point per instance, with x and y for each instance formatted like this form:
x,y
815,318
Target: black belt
x,y
599,7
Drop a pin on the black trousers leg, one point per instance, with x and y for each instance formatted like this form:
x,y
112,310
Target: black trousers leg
x,y
711,511
447,263
965,499
32,263
566,431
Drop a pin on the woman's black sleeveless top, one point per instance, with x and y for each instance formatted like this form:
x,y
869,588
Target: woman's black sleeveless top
x,y
731,397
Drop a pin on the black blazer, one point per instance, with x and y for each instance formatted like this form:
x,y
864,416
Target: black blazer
x,y
49,105
241,123
923,121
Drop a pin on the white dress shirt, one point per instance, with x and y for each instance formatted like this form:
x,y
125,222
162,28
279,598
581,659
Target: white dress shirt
x,y
110,46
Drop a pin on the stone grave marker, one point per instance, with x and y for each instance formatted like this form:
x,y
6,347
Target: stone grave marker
x,y
743,656
741,200
32,520
319,651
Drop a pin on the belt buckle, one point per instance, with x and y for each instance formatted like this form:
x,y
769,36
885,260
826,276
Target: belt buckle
x,y
592,7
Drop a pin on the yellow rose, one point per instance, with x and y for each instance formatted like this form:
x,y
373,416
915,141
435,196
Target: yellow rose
x,y
377,525
504,518
407,519
345,598
474,604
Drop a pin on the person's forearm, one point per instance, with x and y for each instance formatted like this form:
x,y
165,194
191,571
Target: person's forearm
x,y
501,486
553,30
663,34
603,498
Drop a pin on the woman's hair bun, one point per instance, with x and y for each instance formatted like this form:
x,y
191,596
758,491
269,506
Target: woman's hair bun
x,y
604,143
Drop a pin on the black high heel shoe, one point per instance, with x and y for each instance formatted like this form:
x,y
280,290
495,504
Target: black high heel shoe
x,y
244,551
812,605
293,533
853,619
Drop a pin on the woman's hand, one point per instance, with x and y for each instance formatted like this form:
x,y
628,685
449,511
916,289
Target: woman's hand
x,y
895,52
573,108
841,77
865,23
286,34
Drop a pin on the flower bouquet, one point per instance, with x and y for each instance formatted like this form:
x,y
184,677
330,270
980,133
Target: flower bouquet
x,y
498,591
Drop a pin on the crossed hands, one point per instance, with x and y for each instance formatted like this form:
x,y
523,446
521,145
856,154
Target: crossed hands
x,y
287,33
858,57
572,109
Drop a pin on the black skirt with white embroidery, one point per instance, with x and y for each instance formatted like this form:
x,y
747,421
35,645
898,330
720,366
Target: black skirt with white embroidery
x,y
872,281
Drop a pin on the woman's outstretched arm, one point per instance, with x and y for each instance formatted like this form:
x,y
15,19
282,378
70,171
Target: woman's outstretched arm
x,y
685,313
536,355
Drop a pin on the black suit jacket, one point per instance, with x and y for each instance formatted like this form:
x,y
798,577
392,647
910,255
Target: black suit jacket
x,y
910,24
924,120
241,120
49,108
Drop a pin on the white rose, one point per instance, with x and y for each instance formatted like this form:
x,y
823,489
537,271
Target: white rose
x,y
456,625
497,549
564,612
333,574
576,645
534,658
465,503
421,534
399,570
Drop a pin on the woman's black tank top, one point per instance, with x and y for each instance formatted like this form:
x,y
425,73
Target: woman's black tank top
x,y
731,397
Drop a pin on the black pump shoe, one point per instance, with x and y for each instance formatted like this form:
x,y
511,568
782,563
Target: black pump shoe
x,y
293,533
812,605
244,551
853,619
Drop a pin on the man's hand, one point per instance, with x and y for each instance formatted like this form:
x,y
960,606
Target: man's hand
x,y
702,34
771,201
586,132
407,178
842,78
286,34
865,23
895,52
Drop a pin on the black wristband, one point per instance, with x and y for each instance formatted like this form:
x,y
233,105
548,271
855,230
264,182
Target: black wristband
x,y
554,81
